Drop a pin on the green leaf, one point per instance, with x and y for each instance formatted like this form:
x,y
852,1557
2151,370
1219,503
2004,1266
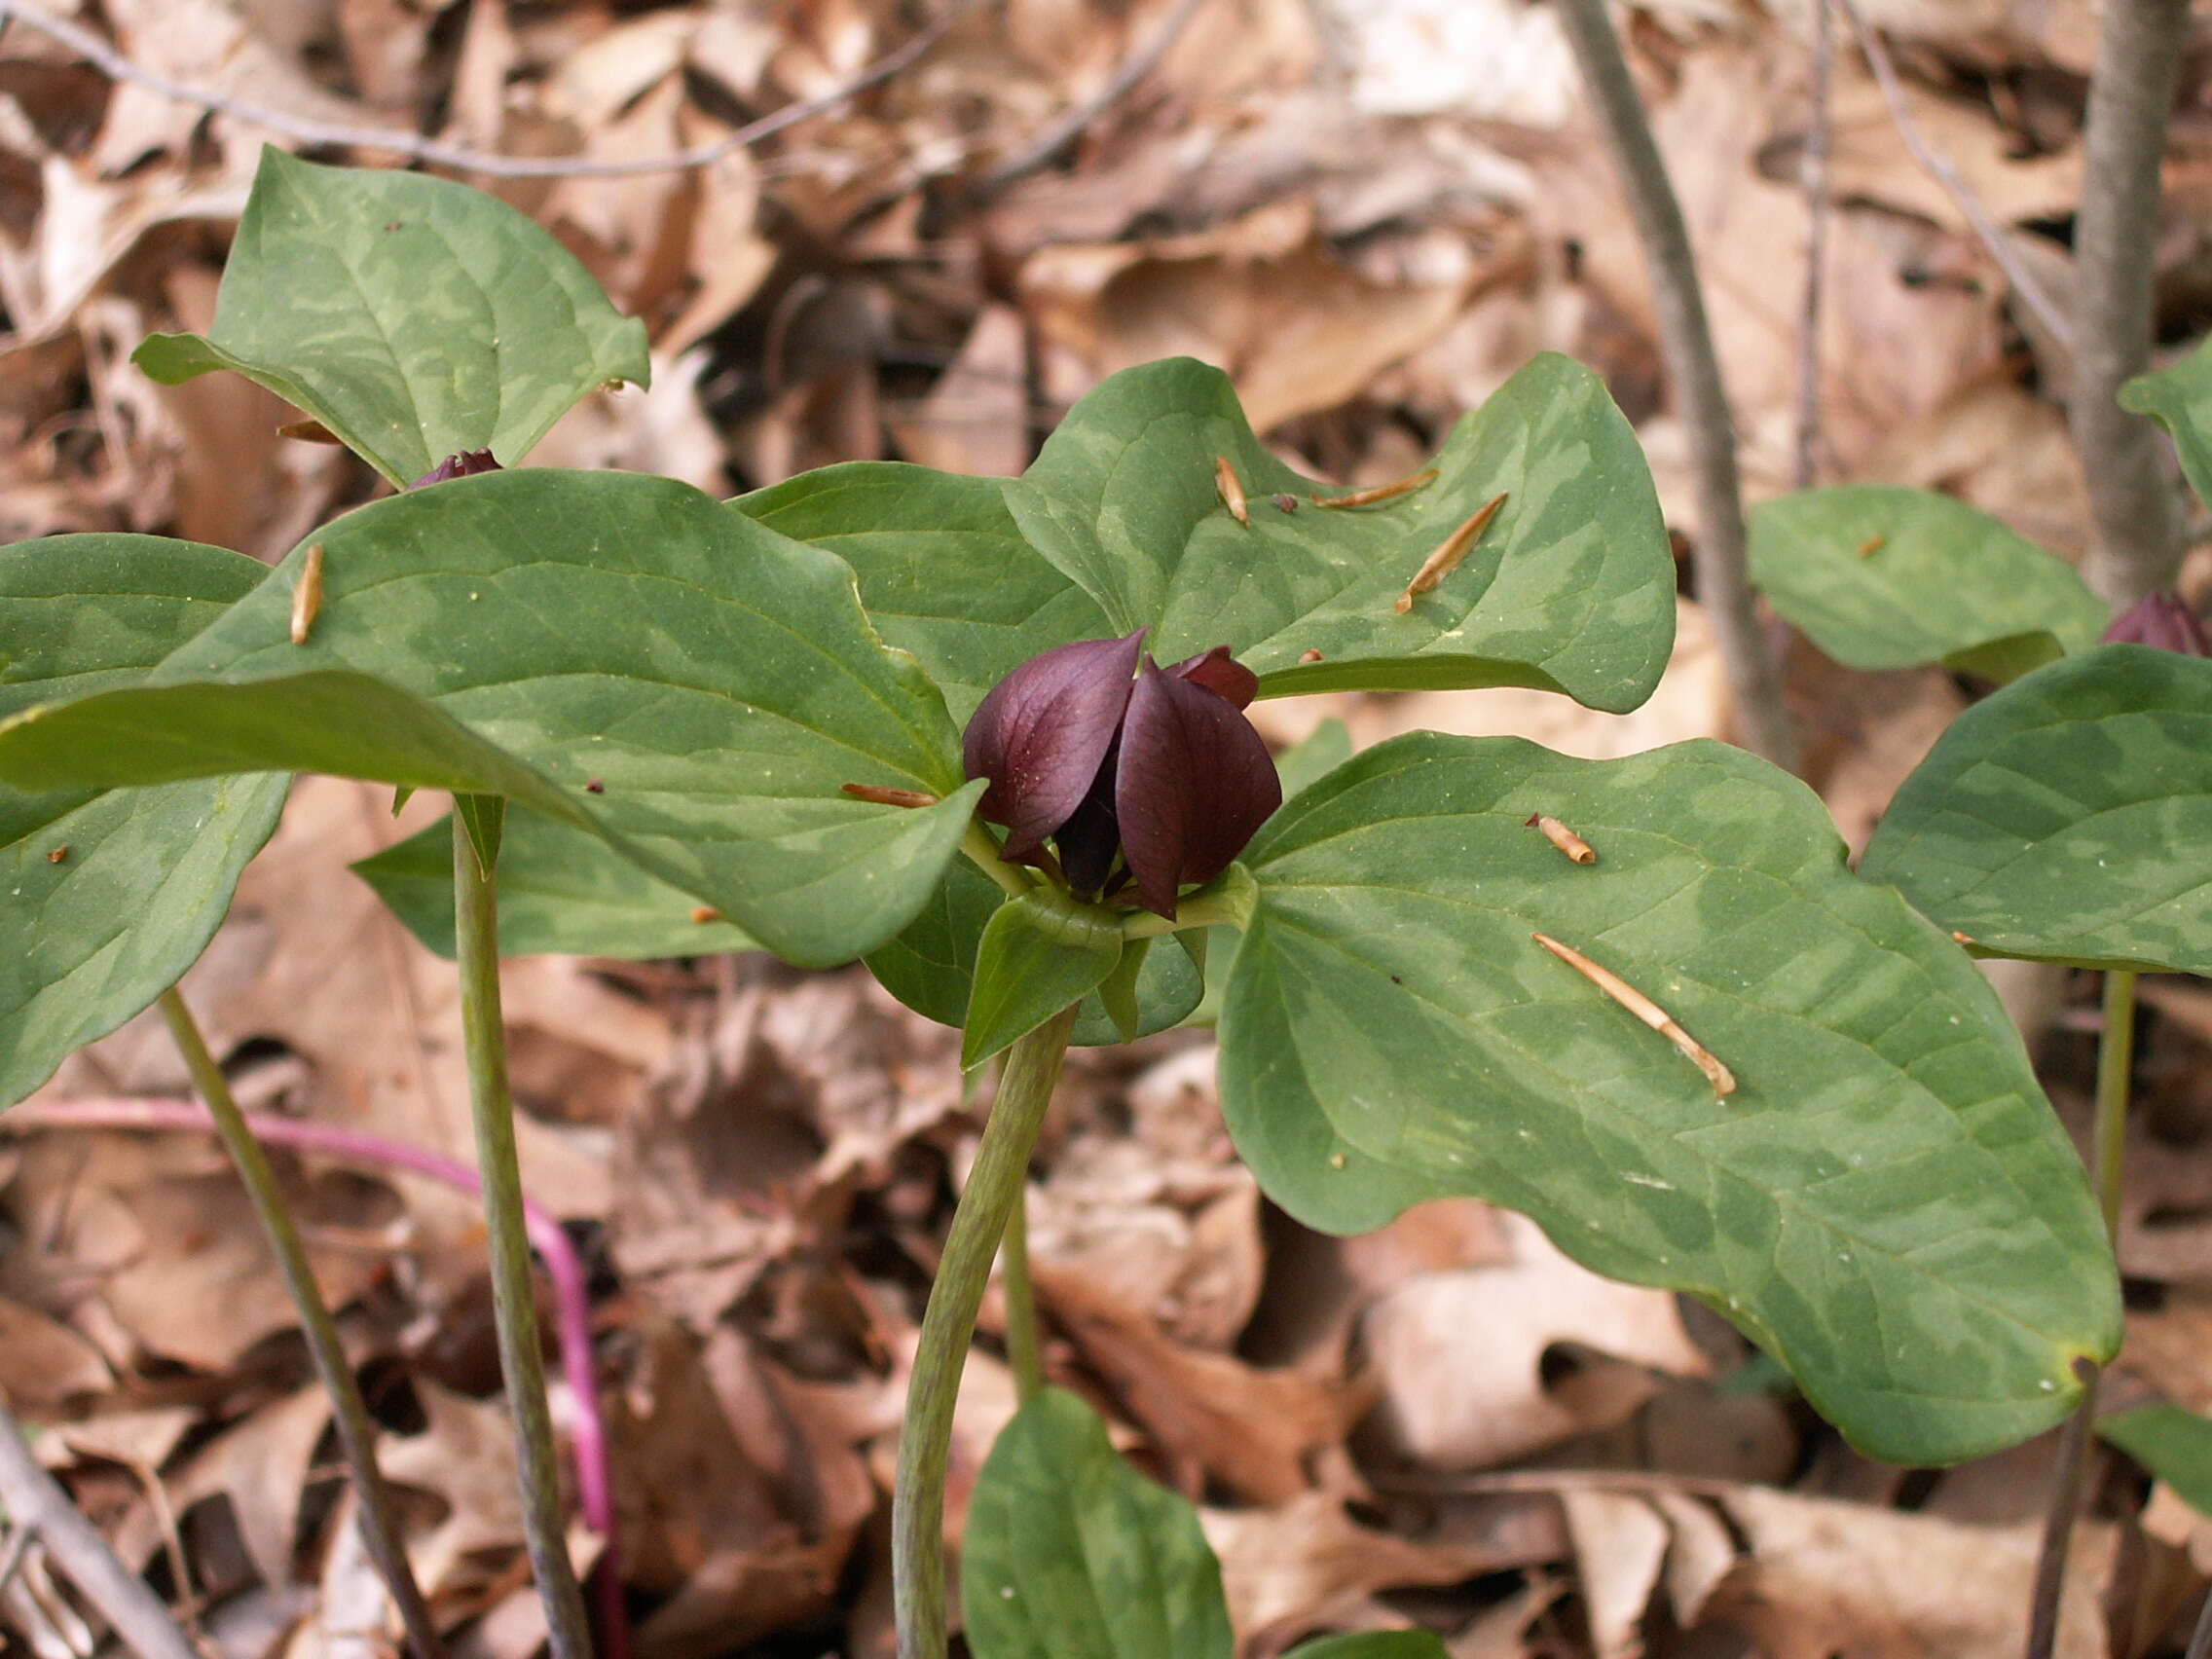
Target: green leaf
x,y
1071,1553
484,819
1373,1644
1884,577
1039,953
2180,400
414,317
2174,1445
931,966
2065,818
1886,1202
144,876
528,634
1571,588
562,891
943,567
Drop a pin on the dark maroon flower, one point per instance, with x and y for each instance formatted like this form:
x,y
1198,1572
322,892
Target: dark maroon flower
x,y
2159,620
1135,772
462,463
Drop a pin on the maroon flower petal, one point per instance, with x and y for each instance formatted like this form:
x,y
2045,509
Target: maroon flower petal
x,y
462,463
1194,785
1090,837
2159,620
1043,732
1217,671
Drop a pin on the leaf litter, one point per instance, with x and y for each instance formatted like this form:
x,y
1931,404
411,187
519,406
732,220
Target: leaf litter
x,y
1370,211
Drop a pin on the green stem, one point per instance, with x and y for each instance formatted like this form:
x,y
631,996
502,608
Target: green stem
x,y
2116,1064
980,845
514,1288
948,1324
356,1430
1020,1296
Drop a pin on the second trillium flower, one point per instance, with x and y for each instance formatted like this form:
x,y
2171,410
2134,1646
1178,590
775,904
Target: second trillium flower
x,y
1137,773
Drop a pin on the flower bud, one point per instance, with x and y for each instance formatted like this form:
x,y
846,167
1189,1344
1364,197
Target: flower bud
x,y
2161,621
1137,774
462,463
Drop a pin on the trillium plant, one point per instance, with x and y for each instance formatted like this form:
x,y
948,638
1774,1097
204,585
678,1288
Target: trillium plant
x,y
990,737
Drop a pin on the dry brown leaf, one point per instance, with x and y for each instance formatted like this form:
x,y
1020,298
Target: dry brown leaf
x,y
464,1455
1458,1356
43,1362
976,418
260,1466
1620,1547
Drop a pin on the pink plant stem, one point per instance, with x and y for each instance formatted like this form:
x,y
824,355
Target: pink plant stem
x,y
571,1301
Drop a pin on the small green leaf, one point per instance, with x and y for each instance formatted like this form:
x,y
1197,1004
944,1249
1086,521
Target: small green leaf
x,y
1884,577
109,894
529,634
1117,991
1039,953
1571,587
2065,819
1071,1553
2180,400
413,317
484,819
943,567
562,893
1373,1644
1886,1202
931,966
2174,1445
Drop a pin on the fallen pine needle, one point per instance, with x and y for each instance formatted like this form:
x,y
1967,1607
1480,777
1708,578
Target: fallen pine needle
x,y
1379,492
1446,559
1231,492
1723,1080
1564,839
1873,545
307,595
705,913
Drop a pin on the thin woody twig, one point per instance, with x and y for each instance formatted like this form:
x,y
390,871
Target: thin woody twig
x,y
1693,369
1813,177
2134,501
35,1501
1057,137
307,130
1937,167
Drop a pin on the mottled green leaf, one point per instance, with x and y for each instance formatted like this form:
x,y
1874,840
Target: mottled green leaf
x,y
2067,817
1373,1644
1882,577
1039,953
931,966
413,317
2180,400
529,633
109,894
1571,588
1071,1553
1886,1202
2174,1445
943,570
562,891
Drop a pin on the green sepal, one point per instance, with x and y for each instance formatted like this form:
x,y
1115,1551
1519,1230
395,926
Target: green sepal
x,y
1039,953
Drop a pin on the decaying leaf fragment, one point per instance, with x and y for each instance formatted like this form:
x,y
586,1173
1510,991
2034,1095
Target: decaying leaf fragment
x,y
1447,557
1723,1080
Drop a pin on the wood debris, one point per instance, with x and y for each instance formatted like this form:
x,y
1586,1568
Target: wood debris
x,y
883,797
307,595
1447,557
1564,839
1723,1080
1231,492
1377,492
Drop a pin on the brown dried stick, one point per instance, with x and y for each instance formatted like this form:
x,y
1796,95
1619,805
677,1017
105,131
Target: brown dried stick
x,y
1447,557
306,130
1564,840
34,1499
1723,1080
1377,492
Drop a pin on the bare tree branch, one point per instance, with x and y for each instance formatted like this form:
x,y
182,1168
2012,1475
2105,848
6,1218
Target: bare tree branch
x,y
1993,237
396,141
1065,131
35,1501
1685,340
2134,501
